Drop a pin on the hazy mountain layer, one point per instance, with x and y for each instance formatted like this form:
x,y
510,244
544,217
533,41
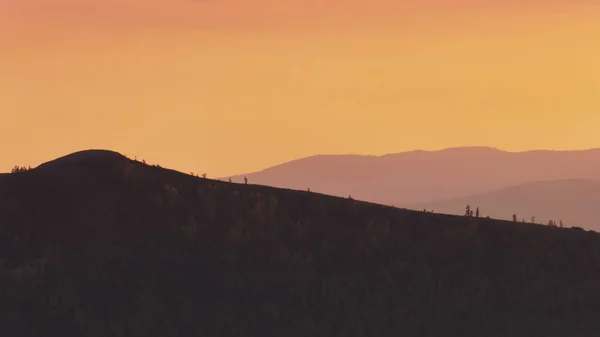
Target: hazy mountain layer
x,y
576,202
421,176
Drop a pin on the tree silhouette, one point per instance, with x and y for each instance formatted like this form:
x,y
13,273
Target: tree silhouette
x,y
245,180
204,175
229,179
514,217
468,211
533,219
477,212
18,169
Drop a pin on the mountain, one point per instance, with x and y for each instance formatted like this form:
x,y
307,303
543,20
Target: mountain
x,y
575,201
95,244
424,176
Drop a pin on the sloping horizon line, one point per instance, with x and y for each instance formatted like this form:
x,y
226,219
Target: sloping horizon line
x,y
489,148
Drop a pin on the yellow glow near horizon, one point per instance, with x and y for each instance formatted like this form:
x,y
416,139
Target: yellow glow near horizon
x,y
226,101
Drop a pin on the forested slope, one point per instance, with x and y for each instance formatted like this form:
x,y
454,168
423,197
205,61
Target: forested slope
x,y
99,245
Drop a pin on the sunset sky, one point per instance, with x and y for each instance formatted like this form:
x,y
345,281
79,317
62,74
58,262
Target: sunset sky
x,y
232,86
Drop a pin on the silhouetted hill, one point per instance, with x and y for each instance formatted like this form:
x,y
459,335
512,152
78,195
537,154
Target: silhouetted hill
x,y
575,201
86,160
424,176
97,245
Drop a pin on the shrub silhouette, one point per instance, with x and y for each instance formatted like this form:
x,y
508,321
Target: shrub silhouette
x,y
17,169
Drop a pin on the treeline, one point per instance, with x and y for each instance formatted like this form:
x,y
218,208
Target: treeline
x,y
551,223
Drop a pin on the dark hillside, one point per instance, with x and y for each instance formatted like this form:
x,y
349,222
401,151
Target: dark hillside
x,y
98,245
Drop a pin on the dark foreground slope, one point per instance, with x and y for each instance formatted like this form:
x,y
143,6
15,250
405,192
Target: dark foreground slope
x,y
97,245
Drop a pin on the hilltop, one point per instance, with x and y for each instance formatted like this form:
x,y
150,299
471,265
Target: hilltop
x,y
95,244
409,178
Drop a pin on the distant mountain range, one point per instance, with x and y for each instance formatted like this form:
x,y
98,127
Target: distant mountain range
x,y
574,201
446,179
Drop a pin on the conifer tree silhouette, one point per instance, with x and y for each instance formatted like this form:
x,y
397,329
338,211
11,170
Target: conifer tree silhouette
x,y
468,211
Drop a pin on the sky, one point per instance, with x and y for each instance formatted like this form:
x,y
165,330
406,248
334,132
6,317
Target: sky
x,y
233,86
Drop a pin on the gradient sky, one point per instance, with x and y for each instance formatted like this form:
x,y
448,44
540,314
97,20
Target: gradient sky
x,y
232,86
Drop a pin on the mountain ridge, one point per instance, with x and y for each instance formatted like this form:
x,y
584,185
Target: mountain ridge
x,y
489,149
424,176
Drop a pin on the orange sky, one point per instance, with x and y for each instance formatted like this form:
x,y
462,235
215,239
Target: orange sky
x,y
231,86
